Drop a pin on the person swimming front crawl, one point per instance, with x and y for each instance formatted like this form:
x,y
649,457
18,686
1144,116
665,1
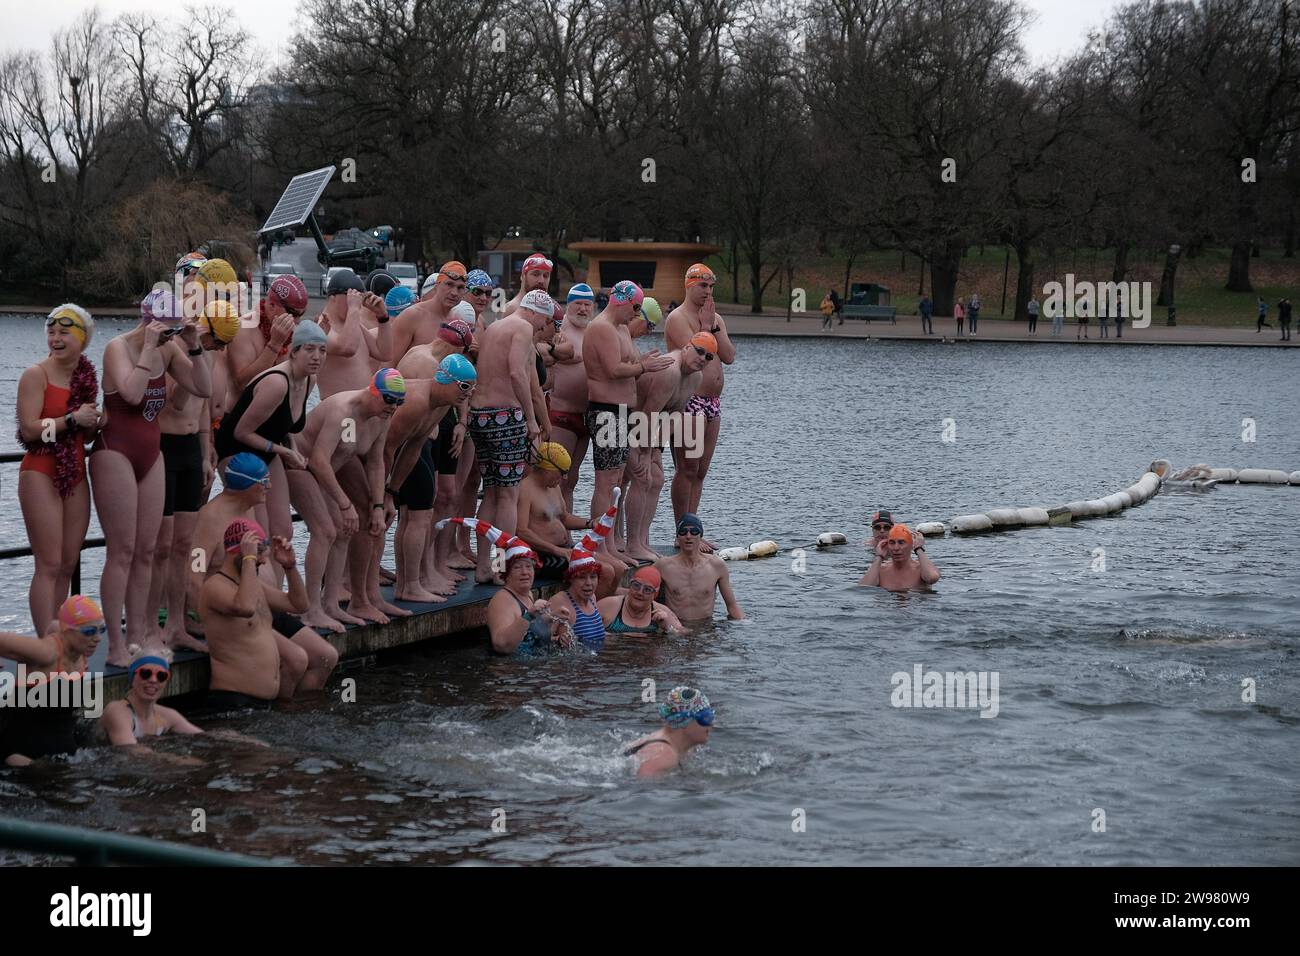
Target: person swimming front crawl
x,y
688,717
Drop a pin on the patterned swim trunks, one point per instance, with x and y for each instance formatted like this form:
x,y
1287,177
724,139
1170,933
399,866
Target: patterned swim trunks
x,y
501,444
710,406
607,454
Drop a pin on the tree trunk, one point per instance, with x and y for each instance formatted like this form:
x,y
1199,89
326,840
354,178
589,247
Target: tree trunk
x,y
735,273
943,277
1167,277
1239,268
1288,250
848,267
1120,269
755,284
1024,281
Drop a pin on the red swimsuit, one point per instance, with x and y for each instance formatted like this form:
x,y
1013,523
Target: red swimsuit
x,y
134,430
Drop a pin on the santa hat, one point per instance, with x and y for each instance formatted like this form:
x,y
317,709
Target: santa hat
x,y
583,557
512,546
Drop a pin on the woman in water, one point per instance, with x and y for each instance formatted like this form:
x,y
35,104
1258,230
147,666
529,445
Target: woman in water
x,y
517,624
579,598
139,714
58,660
57,415
271,410
688,717
126,465
637,612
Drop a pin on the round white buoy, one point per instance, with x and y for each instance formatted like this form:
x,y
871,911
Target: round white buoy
x,y
763,549
1294,478
932,529
1033,516
1095,508
733,554
1223,474
831,537
969,524
1005,517
1262,476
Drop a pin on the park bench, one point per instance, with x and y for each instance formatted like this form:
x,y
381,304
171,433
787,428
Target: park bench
x,y
869,312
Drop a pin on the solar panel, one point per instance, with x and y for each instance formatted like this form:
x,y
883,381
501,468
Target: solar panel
x,y
299,199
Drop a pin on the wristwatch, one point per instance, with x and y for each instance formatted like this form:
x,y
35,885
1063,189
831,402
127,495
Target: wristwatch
x,y
69,421
194,352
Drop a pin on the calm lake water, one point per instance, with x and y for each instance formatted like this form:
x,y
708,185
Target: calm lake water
x,y
1120,690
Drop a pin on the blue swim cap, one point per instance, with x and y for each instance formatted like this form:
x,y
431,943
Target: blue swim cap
x,y
399,298
455,368
479,280
245,470
307,332
581,291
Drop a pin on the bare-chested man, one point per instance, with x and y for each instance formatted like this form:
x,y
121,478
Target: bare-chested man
x,y
502,418
237,605
190,460
478,295
263,339
613,365
568,400
893,569
693,578
545,522
359,336
419,324
413,472
697,314
534,275
660,397
345,439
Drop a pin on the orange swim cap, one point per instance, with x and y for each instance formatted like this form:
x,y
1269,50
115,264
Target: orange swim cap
x,y
648,575
699,273
706,341
452,270
900,532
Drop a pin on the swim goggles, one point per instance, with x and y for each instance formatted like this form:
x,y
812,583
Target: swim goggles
x,y
708,356
93,630
65,321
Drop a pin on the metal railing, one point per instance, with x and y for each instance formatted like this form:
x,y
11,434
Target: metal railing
x,y
96,848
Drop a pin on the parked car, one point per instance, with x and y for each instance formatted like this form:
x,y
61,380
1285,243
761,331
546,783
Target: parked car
x,y
277,269
406,274
354,247
326,276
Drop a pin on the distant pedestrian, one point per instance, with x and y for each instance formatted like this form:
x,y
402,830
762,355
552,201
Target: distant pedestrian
x,y
1058,316
1103,323
1119,325
1082,315
974,311
959,313
839,305
926,310
1260,324
827,310
1032,309
1284,318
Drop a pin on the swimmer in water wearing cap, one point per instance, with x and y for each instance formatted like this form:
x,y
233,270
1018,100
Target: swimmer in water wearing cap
x,y
893,569
635,611
688,718
419,324
661,397
613,365
692,578
138,717
344,507
698,314
415,466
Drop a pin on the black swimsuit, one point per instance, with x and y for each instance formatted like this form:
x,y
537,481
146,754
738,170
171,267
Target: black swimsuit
x,y
35,732
277,428
635,748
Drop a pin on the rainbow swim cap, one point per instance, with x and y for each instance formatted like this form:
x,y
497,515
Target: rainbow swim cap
x,y
389,385
222,320
245,470
190,262
455,368
398,300
236,530
626,290
685,704
78,610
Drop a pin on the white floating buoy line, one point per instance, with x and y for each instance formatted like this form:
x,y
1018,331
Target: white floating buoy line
x,y
1160,474
768,548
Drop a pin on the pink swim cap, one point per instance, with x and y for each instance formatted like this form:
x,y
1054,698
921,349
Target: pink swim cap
x,y
78,610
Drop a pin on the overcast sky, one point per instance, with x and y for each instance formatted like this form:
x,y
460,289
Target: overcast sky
x,y
1061,24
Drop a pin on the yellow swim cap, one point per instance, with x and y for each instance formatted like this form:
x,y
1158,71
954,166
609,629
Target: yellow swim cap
x,y
216,271
222,320
553,457
75,319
